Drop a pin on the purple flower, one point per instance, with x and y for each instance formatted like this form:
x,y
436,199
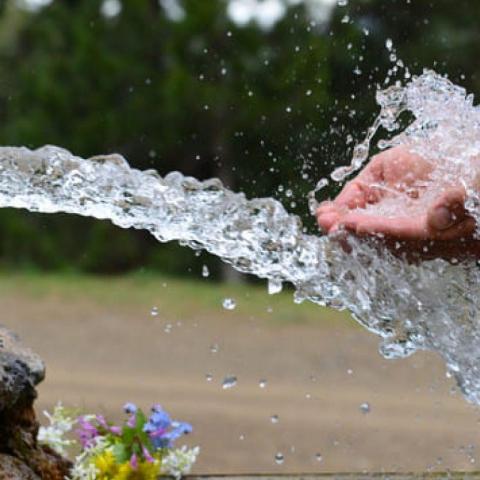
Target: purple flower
x,y
148,457
102,422
86,432
132,420
115,430
134,462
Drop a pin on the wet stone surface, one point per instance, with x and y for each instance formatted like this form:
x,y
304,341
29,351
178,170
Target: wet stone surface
x,y
12,468
21,458
20,369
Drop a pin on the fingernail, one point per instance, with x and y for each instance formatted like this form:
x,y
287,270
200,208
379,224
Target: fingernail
x,y
442,218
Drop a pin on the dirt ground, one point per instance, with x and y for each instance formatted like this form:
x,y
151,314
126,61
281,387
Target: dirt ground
x,y
101,354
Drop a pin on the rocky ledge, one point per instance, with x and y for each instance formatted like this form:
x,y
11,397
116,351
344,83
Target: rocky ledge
x,y
21,457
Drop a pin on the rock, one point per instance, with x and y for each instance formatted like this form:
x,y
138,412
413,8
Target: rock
x,y
13,469
20,370
20,455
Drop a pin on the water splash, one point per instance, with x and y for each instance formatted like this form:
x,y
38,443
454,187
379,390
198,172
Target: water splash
x,y
433,305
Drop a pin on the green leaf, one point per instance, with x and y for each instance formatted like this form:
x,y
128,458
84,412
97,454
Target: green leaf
x,y
121,453
141,421
128,434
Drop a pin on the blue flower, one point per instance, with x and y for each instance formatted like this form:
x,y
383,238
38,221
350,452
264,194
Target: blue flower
x,y
158,423
183,427
130,408
178,429
162,430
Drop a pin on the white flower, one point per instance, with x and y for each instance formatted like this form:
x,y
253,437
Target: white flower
x,y
82,471
83,468
54,434
179,462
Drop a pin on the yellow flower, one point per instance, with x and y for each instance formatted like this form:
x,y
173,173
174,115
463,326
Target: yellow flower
x,y
124,472
106,465
148,471
108,469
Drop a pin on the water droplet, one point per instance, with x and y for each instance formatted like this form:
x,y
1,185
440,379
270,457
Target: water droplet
x,y
214,348
321,184
345,19
262,383
223,71
288,109
308,93
318,457
274,286
208,377
365,407
389,44
229,382
154,311
229,304
279,458
205,271
342,3
274,419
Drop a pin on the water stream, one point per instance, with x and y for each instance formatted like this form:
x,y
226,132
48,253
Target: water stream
x,y
432,305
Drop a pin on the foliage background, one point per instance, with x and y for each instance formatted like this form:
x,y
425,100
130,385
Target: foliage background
x,y
268,110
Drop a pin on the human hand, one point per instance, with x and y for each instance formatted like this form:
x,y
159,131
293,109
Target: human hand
x,y
397,198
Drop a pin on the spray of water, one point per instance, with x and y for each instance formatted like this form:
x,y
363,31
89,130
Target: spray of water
x,y
433,305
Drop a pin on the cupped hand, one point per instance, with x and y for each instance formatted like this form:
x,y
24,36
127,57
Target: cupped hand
x,y
397,197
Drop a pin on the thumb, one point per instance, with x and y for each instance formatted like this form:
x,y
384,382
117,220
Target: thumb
x,y
448,210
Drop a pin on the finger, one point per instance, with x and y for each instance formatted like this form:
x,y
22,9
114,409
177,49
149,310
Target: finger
x,y
357,193
327,220
465,229
352,196
405,228
326,207
447,210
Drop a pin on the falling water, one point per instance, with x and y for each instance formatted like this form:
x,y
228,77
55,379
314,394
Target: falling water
x,y
431,305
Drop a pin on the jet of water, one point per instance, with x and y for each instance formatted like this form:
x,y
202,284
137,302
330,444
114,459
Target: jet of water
x,y
433,305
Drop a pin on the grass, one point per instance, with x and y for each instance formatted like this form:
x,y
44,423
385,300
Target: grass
x,y
177,296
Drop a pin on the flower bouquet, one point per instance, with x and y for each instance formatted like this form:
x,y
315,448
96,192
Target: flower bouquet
x,y
140,449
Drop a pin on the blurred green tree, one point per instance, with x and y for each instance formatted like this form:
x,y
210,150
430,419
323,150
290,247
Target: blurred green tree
x,y
267,110
199,94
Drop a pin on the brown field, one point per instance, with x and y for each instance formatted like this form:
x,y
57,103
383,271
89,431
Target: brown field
x,y
102,348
